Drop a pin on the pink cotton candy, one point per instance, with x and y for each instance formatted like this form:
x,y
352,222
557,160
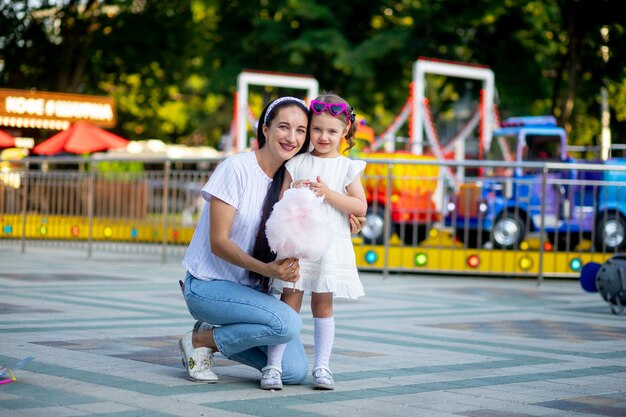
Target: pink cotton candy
x,y
298,226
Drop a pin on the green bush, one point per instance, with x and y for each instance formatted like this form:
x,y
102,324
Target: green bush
x,y
119,170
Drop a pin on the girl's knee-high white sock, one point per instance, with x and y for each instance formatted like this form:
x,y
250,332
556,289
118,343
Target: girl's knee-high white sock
x,y
275,355
324,337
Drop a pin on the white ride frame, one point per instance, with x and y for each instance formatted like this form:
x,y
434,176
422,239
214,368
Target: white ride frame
x,y
248,78
425,66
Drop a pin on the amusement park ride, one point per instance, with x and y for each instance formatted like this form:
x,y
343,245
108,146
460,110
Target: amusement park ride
x,y
407,210
415,190
424,214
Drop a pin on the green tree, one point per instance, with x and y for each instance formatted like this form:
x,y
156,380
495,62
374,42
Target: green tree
x,y
172,65
145,54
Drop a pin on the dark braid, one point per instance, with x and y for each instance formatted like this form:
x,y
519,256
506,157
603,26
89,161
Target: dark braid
x,y
261,249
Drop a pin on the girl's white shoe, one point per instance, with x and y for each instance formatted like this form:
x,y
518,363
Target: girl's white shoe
x,y
272,378
323,378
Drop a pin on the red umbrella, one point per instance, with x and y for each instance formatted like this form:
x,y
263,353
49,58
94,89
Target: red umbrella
x,y
6,140
80,138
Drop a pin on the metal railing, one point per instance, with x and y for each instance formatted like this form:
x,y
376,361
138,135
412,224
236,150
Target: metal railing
x,y
537,219
150,205
442,212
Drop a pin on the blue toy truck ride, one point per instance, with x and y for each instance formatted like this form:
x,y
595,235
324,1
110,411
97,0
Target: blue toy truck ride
x,y
507,202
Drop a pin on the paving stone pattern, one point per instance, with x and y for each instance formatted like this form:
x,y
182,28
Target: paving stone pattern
x,y
104,333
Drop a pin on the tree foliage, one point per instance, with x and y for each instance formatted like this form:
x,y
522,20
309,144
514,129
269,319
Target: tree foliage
x,y
172,65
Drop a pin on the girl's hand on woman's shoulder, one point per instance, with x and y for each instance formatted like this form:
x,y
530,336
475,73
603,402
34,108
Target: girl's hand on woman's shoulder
x,y
356,224
285,269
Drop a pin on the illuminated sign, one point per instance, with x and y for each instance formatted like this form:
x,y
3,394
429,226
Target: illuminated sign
x,y
43,110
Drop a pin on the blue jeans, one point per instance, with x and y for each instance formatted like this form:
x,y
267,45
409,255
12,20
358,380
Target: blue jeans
x,y
248,321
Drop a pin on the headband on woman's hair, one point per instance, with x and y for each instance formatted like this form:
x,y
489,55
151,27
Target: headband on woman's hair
x,y
278,101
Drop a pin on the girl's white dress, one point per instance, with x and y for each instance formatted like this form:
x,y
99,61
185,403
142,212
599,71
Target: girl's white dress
x,y
336,271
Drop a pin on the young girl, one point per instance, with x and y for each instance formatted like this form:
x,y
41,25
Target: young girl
x,y
338,180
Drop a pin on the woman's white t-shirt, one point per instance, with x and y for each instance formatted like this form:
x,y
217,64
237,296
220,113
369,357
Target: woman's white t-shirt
x,y
240,182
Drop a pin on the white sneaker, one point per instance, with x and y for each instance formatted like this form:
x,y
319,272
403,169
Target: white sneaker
x,y
323,378
272,378
198,361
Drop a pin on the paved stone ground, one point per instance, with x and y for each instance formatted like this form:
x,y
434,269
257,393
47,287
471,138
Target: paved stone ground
x,y
104,333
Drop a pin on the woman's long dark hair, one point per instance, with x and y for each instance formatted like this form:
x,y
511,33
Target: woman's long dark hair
x,y
261,250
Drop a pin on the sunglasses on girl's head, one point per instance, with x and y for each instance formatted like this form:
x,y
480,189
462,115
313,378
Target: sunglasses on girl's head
x,y
334,109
